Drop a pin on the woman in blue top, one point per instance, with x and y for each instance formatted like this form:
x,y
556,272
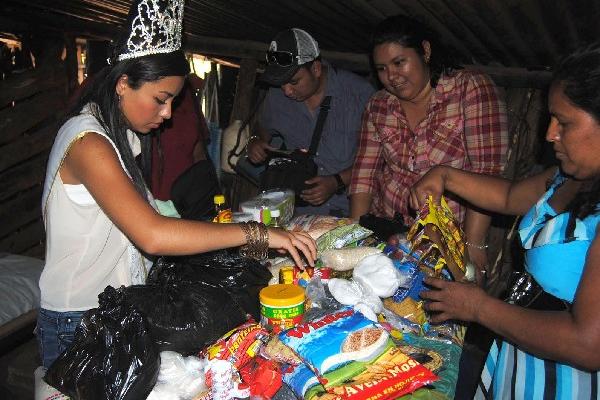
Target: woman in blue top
x,y
544,353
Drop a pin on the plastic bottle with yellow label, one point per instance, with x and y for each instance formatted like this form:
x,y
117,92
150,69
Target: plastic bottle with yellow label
x,y
224,214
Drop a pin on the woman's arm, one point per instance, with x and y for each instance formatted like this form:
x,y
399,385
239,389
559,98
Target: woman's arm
x,y
489,193
476,227
485,126
486,143
367,162
359,204
93,162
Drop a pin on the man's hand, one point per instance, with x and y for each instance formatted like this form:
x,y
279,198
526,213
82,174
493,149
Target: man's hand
x,y
325,187
257,150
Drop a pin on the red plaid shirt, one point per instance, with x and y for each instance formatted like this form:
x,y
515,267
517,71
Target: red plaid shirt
x,y
465,128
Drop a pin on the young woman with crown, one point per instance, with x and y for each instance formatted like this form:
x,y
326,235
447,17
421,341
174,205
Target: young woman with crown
x,y
97,211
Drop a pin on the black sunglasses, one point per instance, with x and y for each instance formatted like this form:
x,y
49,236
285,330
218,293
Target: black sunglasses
x,y
281,58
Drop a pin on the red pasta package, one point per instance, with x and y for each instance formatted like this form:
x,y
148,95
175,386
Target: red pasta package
x,y
239,345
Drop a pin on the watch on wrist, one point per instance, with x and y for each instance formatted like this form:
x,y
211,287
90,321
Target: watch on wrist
x,y
341,186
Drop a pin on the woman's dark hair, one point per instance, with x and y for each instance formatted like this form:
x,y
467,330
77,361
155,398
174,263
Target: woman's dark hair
x,y
105,102
578,74
410,33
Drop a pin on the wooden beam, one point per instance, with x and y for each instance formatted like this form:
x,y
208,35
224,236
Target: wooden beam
x,y
21,210
358,62
21,178
27,146
18,86
14,121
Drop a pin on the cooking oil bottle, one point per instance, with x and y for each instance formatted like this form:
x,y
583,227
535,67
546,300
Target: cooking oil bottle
x,y
224,214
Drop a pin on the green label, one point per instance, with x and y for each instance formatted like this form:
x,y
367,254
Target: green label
x,y
282,312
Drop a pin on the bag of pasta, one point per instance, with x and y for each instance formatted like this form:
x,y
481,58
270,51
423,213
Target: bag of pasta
x,y
437,236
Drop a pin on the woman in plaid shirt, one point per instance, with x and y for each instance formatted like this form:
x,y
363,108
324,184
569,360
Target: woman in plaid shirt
x,y
427,114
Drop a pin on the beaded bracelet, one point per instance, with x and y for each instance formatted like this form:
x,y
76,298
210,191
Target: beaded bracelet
x,y
477,246
257,240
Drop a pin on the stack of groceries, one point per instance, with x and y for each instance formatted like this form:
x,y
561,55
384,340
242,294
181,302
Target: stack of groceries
x,y
352,327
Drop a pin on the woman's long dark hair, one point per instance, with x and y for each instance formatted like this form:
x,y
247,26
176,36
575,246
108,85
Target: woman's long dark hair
x,y
102,96
410,33
579,76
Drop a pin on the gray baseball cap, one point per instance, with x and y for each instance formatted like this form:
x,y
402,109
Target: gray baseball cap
x,y
289,50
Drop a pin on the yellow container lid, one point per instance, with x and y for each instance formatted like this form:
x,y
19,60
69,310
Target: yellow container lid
x,y
281,295
219,199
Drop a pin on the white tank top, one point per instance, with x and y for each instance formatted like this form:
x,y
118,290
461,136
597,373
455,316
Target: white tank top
x,y
85,251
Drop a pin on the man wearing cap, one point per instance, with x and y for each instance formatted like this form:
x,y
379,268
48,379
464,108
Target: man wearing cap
x,y
300,81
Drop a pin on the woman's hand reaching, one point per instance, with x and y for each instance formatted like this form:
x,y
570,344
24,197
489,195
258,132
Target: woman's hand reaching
x,y
294,243
433,183
452,300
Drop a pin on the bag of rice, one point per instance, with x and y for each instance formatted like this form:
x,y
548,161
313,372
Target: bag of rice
x,y
354,358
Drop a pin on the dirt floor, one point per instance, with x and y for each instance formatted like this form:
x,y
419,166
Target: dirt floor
x,y
16,371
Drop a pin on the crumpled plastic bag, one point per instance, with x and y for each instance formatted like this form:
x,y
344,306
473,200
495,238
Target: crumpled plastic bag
x,y
377,271
352,293
242,278
185,317
112,357
179,378
373,278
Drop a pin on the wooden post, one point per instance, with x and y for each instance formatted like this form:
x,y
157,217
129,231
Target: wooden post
x,y
237,188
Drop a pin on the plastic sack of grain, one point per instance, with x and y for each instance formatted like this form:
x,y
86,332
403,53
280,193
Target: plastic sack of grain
x,y
346,259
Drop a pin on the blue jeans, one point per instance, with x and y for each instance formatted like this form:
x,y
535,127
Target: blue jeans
x,y
55,332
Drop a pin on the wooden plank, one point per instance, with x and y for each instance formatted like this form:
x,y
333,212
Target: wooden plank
x,y
23,85
24,238
359,62
244,90
20,210
22,177
29,113
28,146
37,251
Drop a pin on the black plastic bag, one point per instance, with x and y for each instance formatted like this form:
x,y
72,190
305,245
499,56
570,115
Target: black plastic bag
x,y
112,355
242,278
185,317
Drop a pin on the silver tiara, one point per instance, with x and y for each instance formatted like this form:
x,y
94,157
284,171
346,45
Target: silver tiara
x,y
156,28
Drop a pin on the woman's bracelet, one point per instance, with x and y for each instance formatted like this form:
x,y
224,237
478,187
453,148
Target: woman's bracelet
x,y
477,246
257,240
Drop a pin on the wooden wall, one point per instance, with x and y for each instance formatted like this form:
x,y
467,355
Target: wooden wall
x,y
31,105
527,118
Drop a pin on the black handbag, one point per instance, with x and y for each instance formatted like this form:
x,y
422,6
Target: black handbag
x,y
193,191
291,170
526,292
